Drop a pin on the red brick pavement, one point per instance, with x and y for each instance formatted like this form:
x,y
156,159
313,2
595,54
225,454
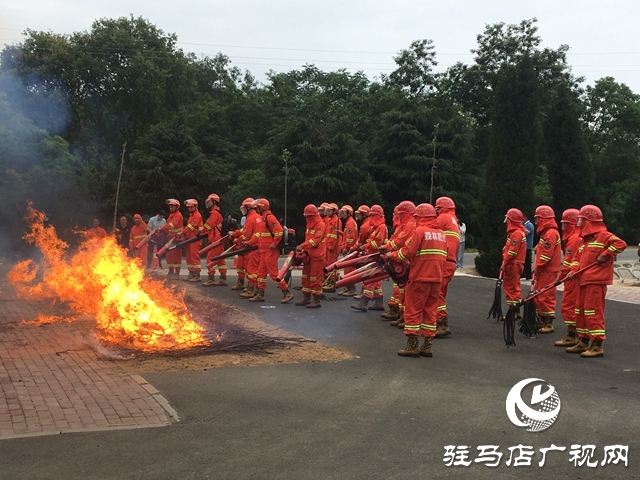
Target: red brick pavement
x,y
52,381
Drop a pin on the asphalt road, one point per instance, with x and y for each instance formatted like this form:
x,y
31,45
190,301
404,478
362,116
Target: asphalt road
x,y
376,416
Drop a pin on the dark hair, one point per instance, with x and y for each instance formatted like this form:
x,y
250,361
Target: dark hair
x,y
163,213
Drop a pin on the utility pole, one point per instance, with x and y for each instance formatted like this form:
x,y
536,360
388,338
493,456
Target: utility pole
x,y
115,211
433,167
285,157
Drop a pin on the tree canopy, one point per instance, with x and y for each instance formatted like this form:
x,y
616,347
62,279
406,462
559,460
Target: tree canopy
x,y
514,128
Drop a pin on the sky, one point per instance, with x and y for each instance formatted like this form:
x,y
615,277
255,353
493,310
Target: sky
x,y
283,35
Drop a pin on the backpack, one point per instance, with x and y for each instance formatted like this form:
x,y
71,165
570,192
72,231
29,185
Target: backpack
x,y
229,224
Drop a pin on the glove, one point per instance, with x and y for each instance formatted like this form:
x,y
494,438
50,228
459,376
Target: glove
x,y
601,259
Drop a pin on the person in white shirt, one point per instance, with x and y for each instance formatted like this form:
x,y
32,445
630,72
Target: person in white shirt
x,y
463,231
154,223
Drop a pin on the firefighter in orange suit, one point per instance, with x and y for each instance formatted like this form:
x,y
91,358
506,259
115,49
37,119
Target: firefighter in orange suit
x,y
312,250
194,227
426,249
448,222
349,241
377,238
546,265
250,236
139,232
362,216
237,235
598,246
513,255
213,228
174,226
332,228
332,223
268,237
96,231
404,227
571,241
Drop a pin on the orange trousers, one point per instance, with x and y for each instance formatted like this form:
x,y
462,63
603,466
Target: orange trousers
x,y
269,266
449,270
569,305
174,259
372,290
312,276
590,319
511,283
193,258
420,309
546,302
221,264
252,260
241,267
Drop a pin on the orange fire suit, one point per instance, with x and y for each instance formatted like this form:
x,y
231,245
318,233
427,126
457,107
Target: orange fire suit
x,y
331,239
376,239
513,255
174,226
94,233
396,242
349,239
594,280
136,235
213,227
426,249
572,240
193,228
267,237
547,264
252,259
314,245
448,223
365,231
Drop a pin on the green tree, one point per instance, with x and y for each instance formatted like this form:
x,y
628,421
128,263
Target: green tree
x,y
513,158
612,119
567,159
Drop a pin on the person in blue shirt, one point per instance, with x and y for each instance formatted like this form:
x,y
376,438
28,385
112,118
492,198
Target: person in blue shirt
x,y
527,262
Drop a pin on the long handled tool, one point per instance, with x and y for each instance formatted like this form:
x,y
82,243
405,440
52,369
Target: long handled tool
x,y
496,307
183,243
528,322
213,245
230,252
144,241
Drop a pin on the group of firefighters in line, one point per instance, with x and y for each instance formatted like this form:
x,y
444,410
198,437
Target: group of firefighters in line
x,y
427,238
583,256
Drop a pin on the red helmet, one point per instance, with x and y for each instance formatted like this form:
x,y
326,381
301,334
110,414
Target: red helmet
x,y
310,210
263,204
137,217
323,205
515,215
333,206
425,210
445,202
364,210
406,207
347,208
192,202
544,211
247,202
570,215
376,210
173,201
591,213
214,197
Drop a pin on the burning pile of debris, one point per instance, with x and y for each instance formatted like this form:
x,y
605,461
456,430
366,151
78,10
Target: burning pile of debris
x,y
134,314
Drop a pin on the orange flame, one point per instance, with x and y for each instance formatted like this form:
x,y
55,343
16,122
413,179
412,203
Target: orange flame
x,y
100,280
